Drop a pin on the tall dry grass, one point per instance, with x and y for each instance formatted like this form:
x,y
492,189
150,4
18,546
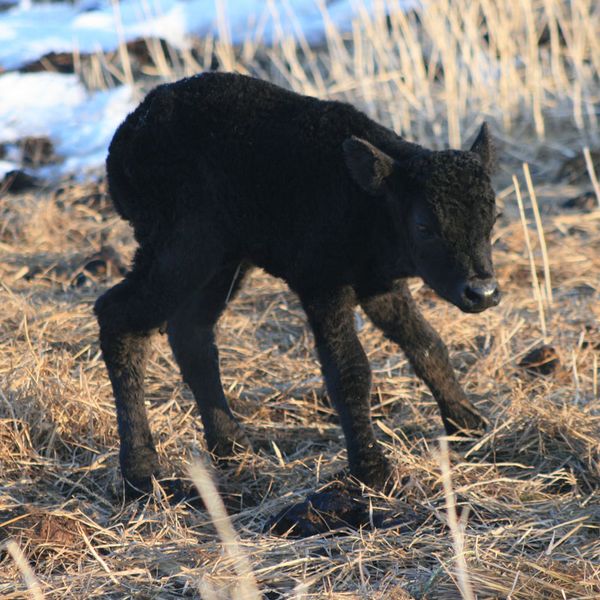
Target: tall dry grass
x,y
529,66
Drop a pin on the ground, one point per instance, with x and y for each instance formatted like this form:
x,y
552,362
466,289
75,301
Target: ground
x,y
528,493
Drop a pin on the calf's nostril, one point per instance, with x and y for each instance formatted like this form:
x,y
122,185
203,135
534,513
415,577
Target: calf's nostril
x,y
473,294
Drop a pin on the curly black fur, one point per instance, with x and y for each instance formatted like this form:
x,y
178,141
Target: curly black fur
x,y
220,172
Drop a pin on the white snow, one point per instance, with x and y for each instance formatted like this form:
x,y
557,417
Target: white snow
x,y
30,31
81,124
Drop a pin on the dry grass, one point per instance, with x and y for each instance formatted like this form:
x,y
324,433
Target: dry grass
x,y
530,66
527,495
531,485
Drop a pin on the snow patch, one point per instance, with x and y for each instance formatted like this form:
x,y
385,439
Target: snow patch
x,y
30,31
80,124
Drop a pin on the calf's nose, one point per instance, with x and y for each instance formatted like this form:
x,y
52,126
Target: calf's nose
x,y
481,293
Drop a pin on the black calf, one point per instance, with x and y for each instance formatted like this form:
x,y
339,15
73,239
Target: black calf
x,y
220,172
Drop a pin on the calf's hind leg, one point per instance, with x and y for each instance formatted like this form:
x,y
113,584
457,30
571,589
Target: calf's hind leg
x,y
192,338
128,314
125,332
397,315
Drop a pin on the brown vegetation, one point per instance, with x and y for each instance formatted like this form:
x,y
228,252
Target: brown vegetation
x,y
527,494
530,487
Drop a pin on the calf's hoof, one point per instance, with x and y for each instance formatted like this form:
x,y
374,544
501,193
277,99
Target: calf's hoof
x,y
175,490
137,487
465,420
227,446
138,466
374,471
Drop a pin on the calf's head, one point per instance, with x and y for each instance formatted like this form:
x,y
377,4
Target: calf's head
x,y
442,204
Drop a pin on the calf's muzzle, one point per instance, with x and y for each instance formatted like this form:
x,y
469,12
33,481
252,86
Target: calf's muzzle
x,y
478,294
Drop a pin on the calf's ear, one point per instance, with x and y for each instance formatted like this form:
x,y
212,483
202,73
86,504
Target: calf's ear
x,y
367,165
484,146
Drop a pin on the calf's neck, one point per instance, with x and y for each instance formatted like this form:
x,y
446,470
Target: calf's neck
x,y
220,172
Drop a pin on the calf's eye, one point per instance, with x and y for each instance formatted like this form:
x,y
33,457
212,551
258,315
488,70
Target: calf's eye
x,y
425,230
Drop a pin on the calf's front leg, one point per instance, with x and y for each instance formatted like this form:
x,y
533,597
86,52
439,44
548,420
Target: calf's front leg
x,y
348,379
397,315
